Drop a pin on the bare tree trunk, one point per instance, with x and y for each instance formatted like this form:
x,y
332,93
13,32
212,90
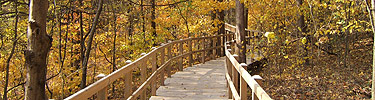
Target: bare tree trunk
x,y
153,24
373,49
221,30
88,49
11,53
240,32
38,46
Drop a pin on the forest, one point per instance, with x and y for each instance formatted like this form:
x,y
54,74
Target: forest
x,y
314,49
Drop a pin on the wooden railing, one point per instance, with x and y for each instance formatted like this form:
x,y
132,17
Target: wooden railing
x,y
155,66
238,79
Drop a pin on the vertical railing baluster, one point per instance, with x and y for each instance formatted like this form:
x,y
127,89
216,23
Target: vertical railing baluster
x,y
203,49
169,58
235,74
243,85
162,73
258,79
214,50
143,68
128,82
154,65
180,60
190,51
102,94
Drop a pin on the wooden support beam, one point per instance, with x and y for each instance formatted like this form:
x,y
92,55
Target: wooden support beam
x,y
204,50
243,84
143,68
190,51
102,94
214,50
235,74
181,51
228,70
154,65
128,82
162,60
169,57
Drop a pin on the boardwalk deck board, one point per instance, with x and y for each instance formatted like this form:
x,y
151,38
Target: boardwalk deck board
x,y
199,82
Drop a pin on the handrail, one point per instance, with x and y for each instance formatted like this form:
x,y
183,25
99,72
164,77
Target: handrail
x,y
245,78
152,58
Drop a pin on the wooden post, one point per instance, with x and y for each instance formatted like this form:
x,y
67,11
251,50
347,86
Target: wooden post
x,y
162,73
215,48
190,51
143,68
229,70
154,65
235,74
181,51
169,57
102,94
259,81
243,85
128,82
203,50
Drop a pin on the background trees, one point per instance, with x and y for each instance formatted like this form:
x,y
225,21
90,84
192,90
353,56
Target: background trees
x,y
323,46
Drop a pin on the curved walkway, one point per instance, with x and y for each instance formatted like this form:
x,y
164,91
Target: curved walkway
x,y
199,82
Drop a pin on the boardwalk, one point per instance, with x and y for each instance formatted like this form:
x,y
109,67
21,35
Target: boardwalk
x,y
200,82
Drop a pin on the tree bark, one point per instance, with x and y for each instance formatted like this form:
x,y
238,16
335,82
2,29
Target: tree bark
x,y
11,53
373,49
153,24
240,32
221,30
88,49
38,46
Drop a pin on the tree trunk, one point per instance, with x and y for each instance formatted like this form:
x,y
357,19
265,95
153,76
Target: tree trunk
x,y
373,49
38,46
88,49
153,24
221,31
240,32
11,53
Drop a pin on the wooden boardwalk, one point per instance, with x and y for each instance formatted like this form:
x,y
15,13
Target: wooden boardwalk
x,y
199,82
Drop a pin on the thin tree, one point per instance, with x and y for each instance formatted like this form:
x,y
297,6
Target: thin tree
x,y
38,46
221,30
11,52
89,43
240,32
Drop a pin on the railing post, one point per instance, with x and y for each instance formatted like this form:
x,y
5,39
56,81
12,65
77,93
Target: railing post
x,y
259,81
190,51
229,70
243,85
181,51
154,65
162,73
143,68
169,58
102,94
215,49
203,49
235,74
128,82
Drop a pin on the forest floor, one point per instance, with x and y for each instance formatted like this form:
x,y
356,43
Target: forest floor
x,y
325,77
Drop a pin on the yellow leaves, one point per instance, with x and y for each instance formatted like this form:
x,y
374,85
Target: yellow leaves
x,y
304,40
270,35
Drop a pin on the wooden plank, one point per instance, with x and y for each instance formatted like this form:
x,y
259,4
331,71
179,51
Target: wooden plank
x,y
243,85
154,65
204,50
148,81
128,82
143,68
181,51
247,77
162,73
191,53
169,50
